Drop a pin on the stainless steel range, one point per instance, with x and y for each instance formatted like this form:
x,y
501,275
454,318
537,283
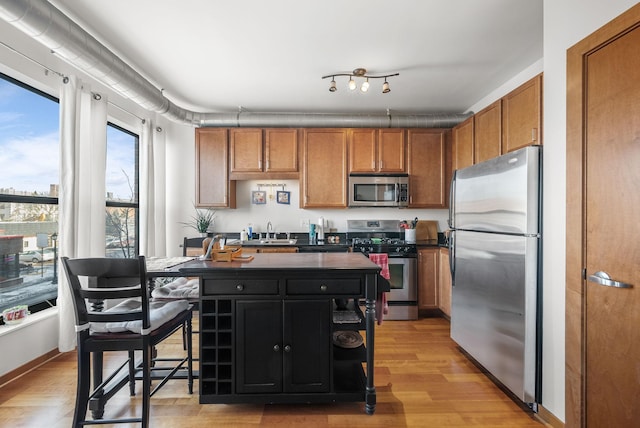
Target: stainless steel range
x,y
385,237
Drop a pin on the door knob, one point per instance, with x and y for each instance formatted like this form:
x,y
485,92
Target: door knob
x,y
603,278
287,348
276,348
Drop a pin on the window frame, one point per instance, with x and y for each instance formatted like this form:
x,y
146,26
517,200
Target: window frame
x,y
34,199
136,187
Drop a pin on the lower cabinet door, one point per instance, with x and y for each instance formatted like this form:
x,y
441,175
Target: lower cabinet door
x,y
283,346
258,346
307,345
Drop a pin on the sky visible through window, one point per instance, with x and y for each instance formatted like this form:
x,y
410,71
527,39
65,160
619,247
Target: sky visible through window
x,y
29,146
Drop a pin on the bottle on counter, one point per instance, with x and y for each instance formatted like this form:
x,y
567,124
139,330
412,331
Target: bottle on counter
x,y
243,235
312,233
321,229
250,232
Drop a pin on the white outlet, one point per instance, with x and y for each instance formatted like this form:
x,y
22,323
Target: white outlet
x,y
304,222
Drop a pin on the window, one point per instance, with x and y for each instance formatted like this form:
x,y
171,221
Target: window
x,y
29,161
122,193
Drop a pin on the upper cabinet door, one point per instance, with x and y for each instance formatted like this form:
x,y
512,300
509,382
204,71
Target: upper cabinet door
x,y
522,116
391,150
213,188
429,168
324,177
463,144
487,129
377,150
246,150
281,150
363,155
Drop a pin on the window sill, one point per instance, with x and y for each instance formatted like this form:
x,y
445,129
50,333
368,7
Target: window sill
x,y
29,321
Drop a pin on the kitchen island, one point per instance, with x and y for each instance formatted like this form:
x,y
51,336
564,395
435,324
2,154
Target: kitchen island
x,y
267,328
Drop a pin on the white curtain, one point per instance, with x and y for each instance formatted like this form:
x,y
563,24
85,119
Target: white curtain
x,y
82,192
152,189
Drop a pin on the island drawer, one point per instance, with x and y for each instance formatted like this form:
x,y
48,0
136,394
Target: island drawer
x,y
346,286
239,286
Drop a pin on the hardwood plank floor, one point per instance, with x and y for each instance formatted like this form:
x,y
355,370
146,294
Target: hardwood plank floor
x,y
422,380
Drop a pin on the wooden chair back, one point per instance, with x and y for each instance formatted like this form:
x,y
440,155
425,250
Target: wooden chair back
x,y
193,246
107,279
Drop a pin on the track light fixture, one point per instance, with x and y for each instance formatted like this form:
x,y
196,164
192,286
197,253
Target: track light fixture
x,y
360,73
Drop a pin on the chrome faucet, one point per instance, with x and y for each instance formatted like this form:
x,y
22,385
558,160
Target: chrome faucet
x,y
269,229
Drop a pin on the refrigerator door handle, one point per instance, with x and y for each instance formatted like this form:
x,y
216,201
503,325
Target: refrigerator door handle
x,y
603,278
452,196
452,257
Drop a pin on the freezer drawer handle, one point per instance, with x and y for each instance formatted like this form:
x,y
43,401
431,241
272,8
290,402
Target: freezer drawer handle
x,y
603,278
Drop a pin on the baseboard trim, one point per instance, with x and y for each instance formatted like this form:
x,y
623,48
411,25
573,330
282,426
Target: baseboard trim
x,y
26,368
549,418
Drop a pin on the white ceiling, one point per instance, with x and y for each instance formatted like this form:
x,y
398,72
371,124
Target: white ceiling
x,y
269,56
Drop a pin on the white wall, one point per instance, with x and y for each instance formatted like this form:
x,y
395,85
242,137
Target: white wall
x,y
284,218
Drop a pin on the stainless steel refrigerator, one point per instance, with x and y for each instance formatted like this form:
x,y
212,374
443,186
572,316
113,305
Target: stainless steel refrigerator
x,y
495,249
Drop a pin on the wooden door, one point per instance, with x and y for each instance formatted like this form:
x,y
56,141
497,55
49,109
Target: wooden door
x,y
444,282
391,151
603,199
429,171
324,178
487,129
213,188
281,150
522,116
246,150
463,144
428,278
363,156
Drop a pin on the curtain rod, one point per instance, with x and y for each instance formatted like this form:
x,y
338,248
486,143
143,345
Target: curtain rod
x,y
64,77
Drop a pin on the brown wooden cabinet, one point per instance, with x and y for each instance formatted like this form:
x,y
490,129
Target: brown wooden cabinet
x,y
444,282
512,122
428,278
246,150
324,169
463,144
377,150
213,187
487,132
429,155
263,153
522,116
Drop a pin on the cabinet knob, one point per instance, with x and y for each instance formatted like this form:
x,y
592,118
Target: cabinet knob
x,y
287,348
276,348
323,287
239,287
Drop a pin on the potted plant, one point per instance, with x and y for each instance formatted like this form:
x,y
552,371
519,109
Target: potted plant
x,y
201,221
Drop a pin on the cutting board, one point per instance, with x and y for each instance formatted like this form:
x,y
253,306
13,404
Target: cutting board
x,y
426,230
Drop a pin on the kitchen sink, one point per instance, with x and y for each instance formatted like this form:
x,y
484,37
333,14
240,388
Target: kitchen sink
x,y
273,242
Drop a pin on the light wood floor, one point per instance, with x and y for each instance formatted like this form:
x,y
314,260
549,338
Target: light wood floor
x,y
422,380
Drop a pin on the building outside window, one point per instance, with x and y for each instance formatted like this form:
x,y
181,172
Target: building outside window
x,y
29,161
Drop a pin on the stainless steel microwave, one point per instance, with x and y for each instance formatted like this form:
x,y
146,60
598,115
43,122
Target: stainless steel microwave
x,y
366,190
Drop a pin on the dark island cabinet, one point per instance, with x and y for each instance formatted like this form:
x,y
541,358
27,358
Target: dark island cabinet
x,y
269,339
282,346
267,328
